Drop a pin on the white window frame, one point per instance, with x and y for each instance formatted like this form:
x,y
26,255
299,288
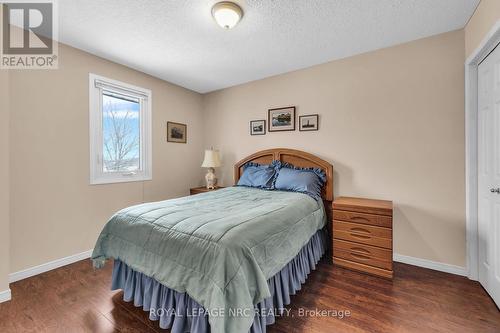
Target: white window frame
x,y
97,84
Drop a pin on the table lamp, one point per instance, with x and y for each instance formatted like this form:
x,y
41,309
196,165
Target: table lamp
x,y
211,161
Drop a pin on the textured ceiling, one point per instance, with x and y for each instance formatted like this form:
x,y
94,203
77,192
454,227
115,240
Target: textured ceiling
x,y
178,41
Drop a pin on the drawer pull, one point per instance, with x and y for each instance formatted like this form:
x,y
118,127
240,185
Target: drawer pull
x,y
360,230
360,236
360,256
360,218
359,249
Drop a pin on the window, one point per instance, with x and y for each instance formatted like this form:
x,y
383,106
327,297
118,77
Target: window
x,y
120,131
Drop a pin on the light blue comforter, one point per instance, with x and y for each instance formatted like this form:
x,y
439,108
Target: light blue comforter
x,y
219,247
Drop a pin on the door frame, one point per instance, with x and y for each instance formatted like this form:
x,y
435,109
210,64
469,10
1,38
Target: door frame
x,y
471,141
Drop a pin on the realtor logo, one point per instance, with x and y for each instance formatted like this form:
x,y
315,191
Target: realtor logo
x,y
28,34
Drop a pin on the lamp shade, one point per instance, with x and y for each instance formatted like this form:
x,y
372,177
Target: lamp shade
x,y
212,159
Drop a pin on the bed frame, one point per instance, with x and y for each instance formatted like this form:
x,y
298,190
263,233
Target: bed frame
x,y
297,158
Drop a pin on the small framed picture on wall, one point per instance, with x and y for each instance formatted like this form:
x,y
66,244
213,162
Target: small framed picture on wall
x,y
176,132
281,119
257,127
308,122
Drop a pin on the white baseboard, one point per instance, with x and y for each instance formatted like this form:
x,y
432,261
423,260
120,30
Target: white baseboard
x,y
5,295
437,266
13,277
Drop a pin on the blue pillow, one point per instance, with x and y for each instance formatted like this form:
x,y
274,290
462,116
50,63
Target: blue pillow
x,y
304,180
256,175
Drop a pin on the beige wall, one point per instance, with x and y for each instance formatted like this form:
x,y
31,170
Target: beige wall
x,y
4,179
54,211
486,15
392,124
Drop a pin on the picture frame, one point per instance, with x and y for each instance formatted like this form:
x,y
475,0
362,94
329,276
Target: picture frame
x,y
281,119
309,122
258,127
176,132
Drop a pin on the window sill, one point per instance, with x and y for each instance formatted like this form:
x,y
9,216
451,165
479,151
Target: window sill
x,y
124,179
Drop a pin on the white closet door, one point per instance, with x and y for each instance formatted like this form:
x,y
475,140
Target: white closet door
x,y
489,174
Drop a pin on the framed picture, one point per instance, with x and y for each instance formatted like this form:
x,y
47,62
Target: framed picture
x,y
257,127
281,119
176,132
308,122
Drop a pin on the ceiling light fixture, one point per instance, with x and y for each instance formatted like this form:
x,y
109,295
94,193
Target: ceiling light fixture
x,y
227,14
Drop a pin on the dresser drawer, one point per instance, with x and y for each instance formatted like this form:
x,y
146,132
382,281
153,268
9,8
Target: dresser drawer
x,y
385,273
371,219
364,254
363,233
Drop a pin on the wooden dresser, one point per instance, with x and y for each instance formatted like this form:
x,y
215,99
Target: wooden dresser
x,y
362,235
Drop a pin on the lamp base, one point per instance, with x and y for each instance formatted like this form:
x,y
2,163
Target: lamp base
x,y
211,179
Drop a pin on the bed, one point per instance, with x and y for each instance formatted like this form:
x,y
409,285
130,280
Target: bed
x,y
222,261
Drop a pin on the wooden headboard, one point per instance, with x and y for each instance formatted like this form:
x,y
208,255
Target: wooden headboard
x,y
297,158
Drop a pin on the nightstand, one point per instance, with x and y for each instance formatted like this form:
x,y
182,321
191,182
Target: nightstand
x,y
203,189
362,235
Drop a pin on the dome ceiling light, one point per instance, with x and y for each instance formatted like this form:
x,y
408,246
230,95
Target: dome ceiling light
x,y
227,14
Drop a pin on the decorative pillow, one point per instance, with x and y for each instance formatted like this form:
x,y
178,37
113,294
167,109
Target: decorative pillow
x,y
256,175
303,180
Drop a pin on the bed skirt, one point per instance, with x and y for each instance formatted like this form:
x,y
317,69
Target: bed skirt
x,y
180,313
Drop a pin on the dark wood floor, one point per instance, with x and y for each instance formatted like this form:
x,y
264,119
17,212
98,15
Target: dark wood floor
x,y
76,298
